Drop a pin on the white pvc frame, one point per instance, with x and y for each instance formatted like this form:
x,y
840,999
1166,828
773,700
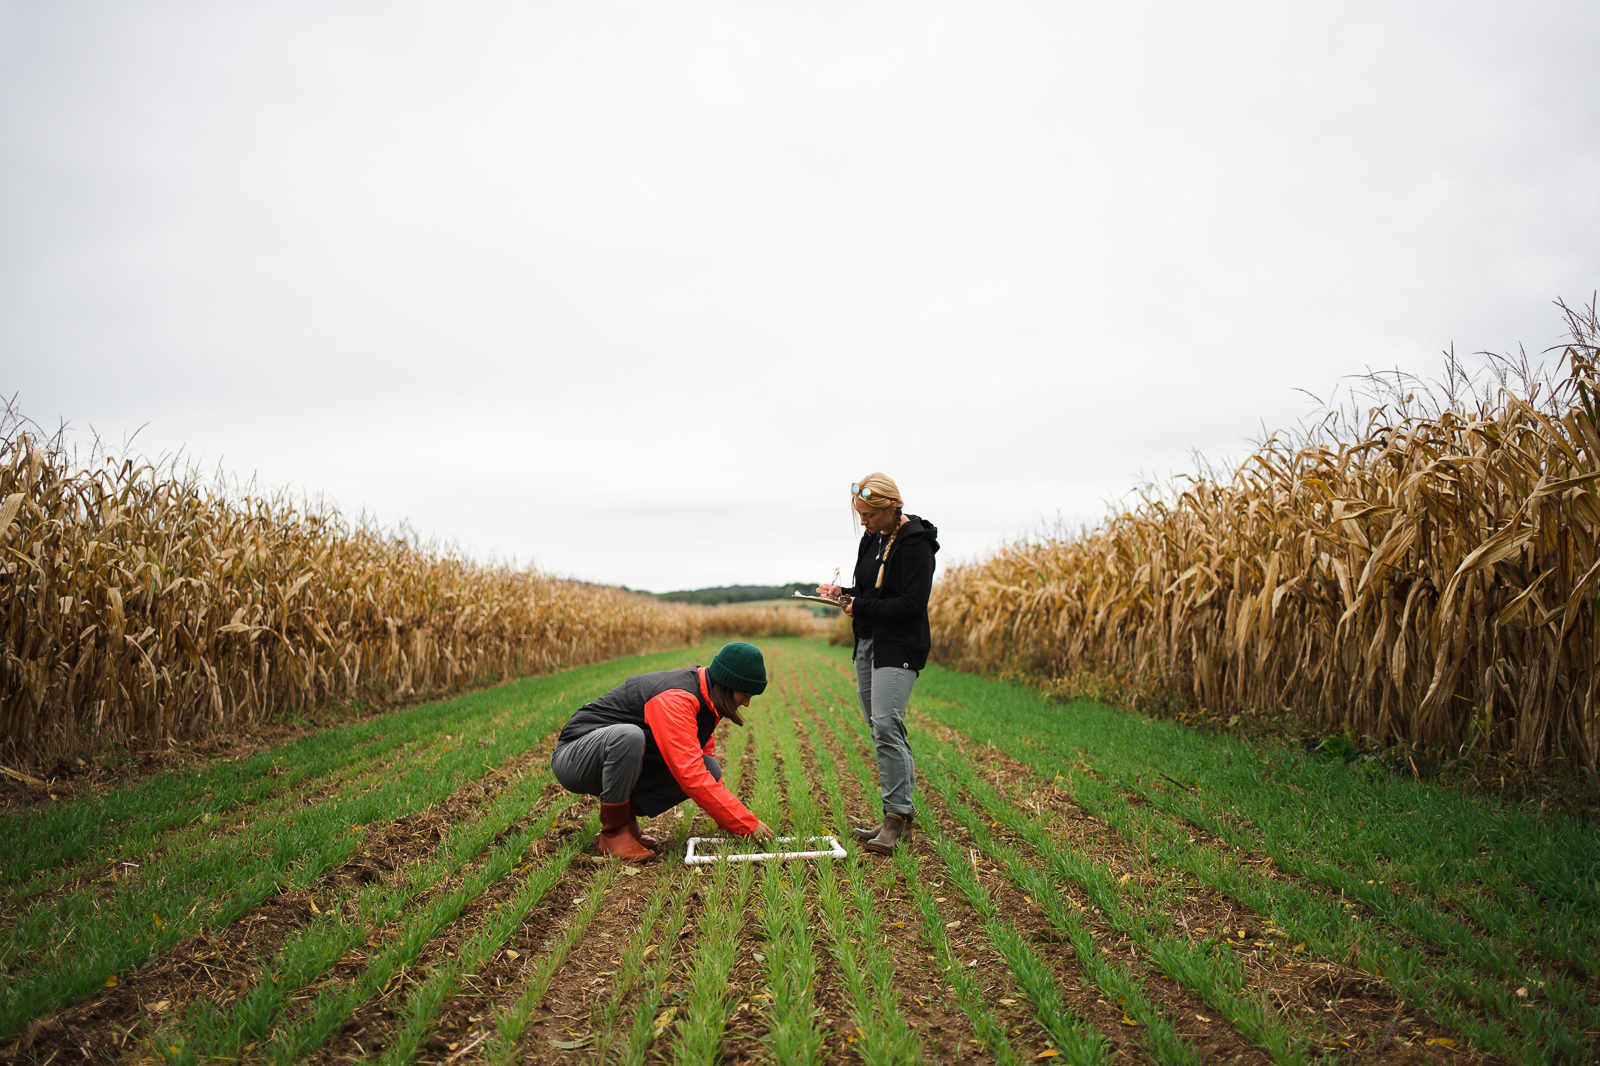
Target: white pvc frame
x,y
835,851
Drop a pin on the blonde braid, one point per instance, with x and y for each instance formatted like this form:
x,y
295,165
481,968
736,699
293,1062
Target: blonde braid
x,y
887,548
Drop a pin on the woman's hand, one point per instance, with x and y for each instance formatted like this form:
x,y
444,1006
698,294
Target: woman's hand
x,y
832,592
848,607
762,831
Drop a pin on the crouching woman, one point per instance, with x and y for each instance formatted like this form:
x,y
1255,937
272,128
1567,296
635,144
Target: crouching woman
x,y
648,745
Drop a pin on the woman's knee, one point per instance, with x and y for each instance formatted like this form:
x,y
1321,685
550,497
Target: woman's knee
x,y
713,766
889,729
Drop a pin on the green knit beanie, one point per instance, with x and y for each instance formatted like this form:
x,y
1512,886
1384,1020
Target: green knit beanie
x,y
740,667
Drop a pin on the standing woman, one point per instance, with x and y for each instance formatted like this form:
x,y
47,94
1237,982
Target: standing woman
x,y
889,613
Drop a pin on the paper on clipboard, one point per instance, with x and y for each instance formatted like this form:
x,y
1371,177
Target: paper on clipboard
x,y
822,599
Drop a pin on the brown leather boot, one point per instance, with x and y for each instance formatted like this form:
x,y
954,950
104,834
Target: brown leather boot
x,y
634,810
896,831
867,834
615,839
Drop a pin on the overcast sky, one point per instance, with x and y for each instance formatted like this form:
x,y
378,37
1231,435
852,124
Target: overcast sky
x,y
633,292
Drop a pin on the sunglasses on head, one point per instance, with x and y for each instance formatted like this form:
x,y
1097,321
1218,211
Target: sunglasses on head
x,y
860,492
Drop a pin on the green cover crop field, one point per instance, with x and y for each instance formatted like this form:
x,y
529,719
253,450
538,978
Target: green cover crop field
x,y
1086,886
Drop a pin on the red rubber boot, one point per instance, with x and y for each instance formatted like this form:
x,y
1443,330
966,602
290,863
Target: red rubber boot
x,y
634,810
616,839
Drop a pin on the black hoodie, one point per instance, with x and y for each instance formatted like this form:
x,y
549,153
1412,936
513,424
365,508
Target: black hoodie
x,y
895,616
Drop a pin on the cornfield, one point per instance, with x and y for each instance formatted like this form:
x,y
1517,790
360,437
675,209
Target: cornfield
x,y
138,606
1424,573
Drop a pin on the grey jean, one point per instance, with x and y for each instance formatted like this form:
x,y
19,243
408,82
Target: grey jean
x,y
885,691
609,763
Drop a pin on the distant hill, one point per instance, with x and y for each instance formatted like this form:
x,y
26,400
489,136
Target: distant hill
x,y
735,593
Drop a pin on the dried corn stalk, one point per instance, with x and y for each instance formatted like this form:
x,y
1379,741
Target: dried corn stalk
x,y
137,606
1433,579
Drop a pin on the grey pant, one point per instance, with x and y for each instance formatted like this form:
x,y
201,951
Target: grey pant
x,y
885,691
609,763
